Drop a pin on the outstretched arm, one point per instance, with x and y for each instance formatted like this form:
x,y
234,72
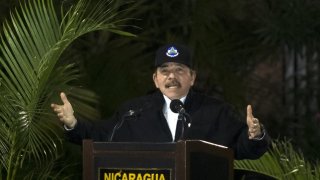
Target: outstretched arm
x,y
65,112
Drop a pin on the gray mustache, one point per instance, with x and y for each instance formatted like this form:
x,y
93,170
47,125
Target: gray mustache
x,y
173,83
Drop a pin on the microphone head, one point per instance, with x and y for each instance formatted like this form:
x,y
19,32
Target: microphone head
x,y
176,106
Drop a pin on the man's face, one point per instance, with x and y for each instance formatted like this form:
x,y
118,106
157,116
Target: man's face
x,y
174,79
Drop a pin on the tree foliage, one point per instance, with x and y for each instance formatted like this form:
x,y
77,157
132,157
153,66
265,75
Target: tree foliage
x,y
32,42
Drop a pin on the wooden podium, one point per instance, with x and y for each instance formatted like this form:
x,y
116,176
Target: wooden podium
x,y
184,160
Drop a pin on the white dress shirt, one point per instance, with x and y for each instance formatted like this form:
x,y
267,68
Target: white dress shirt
x,y
172,118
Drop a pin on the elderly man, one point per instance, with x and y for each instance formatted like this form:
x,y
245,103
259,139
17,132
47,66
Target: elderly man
x,y
150,119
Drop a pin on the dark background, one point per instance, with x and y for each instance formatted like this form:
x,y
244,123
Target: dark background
x,y
259,52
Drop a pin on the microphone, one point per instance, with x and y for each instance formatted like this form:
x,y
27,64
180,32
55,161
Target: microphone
x,y
176,106
129,113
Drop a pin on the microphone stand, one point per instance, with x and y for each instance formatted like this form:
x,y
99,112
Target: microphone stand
x,y
119,124
115,128
185,119
181,121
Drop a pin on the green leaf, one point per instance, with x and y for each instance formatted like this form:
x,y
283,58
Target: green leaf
x,y
32,42
281,162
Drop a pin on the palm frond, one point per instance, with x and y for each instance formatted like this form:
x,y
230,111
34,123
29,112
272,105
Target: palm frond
x,y
281,162
32,42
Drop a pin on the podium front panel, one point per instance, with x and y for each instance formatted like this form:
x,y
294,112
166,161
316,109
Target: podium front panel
x,y
113,161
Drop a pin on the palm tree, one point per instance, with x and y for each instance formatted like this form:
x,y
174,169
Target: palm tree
x,y
30,77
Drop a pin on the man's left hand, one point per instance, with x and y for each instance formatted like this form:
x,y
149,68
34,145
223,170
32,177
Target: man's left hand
x,y
253,124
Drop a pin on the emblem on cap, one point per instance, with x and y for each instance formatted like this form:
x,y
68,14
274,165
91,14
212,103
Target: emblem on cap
x,y
172,52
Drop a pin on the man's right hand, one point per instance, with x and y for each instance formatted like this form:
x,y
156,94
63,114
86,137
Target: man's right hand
x,y
65,112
